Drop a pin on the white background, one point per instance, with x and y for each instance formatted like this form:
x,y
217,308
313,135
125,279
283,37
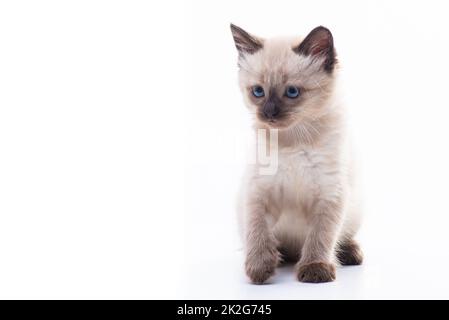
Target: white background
x,y
91,159
122,139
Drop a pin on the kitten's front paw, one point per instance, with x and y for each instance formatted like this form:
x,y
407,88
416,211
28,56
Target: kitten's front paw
x,y
316,272
260,267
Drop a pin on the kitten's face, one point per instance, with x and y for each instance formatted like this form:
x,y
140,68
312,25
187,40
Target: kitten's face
x,y
285,81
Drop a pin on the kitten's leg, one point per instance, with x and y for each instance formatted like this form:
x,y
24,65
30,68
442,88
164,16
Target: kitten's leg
x,y
349,253
316,263
262,257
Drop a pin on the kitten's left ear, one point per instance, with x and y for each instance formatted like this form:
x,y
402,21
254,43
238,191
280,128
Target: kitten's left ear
x,y
319,43
245,42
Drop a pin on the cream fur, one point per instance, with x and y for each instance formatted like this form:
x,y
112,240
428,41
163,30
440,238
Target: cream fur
x,y
309,205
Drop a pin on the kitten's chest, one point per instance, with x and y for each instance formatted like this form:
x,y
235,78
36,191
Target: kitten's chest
x,y
295,187
298,178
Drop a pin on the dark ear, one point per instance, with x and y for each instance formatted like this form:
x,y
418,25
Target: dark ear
x,y
244,42
319,43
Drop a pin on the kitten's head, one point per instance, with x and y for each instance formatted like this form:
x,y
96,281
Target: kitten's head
x,y
286,81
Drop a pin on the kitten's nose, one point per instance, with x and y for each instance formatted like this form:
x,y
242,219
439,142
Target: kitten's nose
x,y
270,110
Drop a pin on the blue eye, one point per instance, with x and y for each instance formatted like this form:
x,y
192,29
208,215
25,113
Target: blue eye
x,y
258,91
292,92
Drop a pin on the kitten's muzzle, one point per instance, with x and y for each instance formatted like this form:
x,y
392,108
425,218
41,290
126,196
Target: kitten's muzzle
x,y
270,110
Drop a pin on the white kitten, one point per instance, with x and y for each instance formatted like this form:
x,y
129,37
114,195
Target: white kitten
x,y
305,211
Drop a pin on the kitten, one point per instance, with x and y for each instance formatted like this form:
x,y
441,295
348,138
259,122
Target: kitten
x,y
306,211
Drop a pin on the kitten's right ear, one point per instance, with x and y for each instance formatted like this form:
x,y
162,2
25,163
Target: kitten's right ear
x,y
245,42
